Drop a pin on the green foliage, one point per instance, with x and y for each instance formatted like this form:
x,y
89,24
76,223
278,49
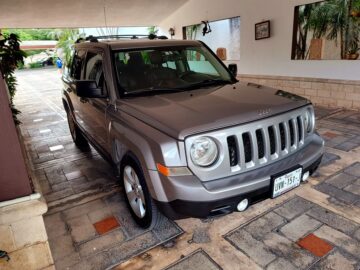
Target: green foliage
x,y
10,57
33,52
66,39
29,34
153,30
332,20
191,31
35,65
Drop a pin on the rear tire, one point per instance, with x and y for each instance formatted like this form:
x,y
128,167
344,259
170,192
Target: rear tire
x,y
76,134
137,195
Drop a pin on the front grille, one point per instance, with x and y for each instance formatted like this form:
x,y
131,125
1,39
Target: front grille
x,y
261,143
233,152
282,136
256,147
272,139
247,147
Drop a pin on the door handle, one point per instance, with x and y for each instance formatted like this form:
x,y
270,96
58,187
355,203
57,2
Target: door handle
x,y
84,100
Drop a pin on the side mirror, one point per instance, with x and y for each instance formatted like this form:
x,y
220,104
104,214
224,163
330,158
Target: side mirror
x,y
88,89
233,69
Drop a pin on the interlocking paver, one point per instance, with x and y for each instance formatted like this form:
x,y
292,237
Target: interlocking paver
x,y
286,248
299,227
337,260
340,239
354,169
338,194
265,224
69,260
62,246
81,229
83,209
341,180
281,263
55,226
257,250
294,208
331,219
355,189
199,260
100,243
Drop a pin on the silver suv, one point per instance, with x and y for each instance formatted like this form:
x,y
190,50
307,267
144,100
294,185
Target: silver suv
x,y
187,138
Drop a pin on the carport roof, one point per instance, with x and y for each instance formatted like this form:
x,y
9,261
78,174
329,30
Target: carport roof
x,y
85,13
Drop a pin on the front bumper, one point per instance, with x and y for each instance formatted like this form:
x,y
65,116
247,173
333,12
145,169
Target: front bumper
x,y
187,196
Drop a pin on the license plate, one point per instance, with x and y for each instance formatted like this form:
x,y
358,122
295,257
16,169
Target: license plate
x,y
286,182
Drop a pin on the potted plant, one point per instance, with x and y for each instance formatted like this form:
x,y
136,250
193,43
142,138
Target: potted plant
x,y
353,52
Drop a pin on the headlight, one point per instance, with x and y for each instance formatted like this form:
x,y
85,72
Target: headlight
x,y
309,120
204,152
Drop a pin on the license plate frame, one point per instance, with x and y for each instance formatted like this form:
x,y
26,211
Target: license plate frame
x,y
284,174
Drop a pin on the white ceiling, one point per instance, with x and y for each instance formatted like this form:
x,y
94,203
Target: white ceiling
x,y
84,13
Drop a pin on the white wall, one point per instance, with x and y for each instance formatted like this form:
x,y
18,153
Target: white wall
x,y
264,57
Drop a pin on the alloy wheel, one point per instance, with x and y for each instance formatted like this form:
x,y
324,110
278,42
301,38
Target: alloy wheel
x,y
134,192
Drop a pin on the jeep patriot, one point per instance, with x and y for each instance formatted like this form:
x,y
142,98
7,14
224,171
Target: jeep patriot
x,y
186,137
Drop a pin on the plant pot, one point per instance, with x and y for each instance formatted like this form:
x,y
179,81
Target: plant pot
x,y
353,56
355,13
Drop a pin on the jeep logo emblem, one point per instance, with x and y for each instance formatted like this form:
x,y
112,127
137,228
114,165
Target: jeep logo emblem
x,y
263,112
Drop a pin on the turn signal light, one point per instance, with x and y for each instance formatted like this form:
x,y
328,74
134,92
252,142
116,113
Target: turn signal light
x,y
173,171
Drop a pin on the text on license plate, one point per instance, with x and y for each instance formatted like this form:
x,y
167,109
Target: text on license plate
x,y
287,182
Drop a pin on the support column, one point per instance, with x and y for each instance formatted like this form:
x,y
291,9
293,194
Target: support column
x,y
14,179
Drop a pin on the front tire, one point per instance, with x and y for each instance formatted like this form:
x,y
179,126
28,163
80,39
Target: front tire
x,y
138,198
76,133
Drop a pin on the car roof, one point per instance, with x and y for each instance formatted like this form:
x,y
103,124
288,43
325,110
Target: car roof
x,y
137,43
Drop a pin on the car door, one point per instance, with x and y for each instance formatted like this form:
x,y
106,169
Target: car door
x,y
71,75
92,110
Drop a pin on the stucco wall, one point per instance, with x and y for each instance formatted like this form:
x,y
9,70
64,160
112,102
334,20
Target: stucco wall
x,y
265,57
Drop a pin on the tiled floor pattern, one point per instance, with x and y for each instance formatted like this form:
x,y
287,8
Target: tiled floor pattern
x,y
300,235
89,227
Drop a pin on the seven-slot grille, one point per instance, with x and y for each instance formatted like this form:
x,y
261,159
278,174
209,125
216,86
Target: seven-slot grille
x,y
261,145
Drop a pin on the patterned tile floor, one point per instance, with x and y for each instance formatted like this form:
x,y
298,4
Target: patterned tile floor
x,y
316,226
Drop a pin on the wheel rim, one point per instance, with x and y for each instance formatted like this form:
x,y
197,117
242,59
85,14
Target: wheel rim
x,y
71,126
134,191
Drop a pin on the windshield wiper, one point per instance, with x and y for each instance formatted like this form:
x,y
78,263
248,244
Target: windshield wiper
x,y
154,90
208,82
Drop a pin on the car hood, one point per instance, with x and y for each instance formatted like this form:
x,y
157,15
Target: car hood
x,y
193,112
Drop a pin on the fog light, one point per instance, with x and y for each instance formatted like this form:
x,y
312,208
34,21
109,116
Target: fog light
x,y
243,205
305,176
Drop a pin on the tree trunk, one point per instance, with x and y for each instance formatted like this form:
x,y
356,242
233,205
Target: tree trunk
x,y
347,28
342,44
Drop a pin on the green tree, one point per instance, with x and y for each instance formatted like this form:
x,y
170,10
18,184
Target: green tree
x,y
332,20
29,34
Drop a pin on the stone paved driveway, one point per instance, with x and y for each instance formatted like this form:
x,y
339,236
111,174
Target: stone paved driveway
x,y
316,226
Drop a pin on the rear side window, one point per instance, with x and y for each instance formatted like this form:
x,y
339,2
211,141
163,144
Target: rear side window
x,y
76,66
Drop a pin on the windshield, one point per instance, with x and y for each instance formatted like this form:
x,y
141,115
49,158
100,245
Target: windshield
x,y
173,69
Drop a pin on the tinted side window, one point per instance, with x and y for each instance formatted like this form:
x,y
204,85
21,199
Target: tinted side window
x,y
93,68
76,66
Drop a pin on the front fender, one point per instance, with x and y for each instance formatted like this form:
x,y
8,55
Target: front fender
x,y
149,145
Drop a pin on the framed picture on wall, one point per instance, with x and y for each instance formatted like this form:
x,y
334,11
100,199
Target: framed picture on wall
x,y
262,30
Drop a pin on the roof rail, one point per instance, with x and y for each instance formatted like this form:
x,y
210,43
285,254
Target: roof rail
x,y
96,38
